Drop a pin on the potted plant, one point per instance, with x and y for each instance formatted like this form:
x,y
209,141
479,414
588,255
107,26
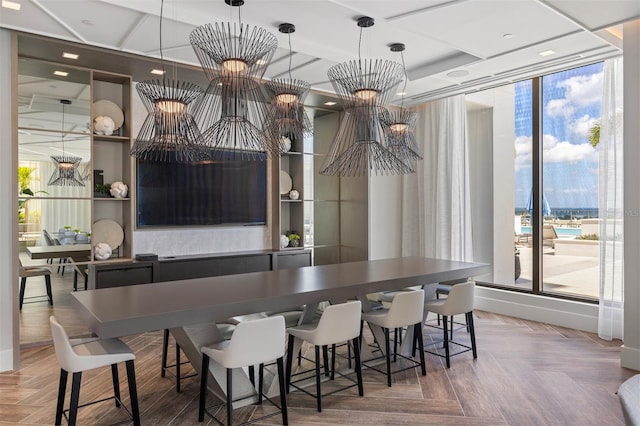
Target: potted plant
x,y
518,269
102,190
294,240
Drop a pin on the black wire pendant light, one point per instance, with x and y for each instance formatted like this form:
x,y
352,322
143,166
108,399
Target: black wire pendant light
x,y
399,125
169,133
66,172
287,117
363,87
233,109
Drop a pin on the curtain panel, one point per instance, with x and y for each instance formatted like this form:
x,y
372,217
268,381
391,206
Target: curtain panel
x,y
610,204
436,200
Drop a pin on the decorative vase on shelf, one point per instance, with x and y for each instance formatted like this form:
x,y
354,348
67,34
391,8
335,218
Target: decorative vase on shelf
x,y
119,190
294,243
294,195
284,241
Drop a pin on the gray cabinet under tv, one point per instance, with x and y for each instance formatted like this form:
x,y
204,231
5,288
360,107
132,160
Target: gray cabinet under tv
x,y
195,266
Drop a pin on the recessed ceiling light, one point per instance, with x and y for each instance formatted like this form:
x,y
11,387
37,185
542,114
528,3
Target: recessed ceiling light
x,y
330,103
547,53
458,73
402,93
70,55
61,73
507,35
11,5
157,72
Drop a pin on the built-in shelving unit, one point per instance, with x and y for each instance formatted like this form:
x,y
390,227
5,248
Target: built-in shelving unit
x,y
110,154
316,214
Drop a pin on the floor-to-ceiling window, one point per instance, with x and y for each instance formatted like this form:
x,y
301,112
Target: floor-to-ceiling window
x,y
553,193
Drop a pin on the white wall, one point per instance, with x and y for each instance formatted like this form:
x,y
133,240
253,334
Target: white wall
x,y
9,345
630,357
385,217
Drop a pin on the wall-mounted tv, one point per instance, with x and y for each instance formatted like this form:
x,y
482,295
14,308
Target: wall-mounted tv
x,y
228,191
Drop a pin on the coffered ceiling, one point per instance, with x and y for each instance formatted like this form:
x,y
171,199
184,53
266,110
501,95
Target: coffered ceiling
x,y
451,46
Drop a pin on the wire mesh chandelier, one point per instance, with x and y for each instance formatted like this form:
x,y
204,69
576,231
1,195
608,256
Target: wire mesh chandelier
x,y
363,87
66,172
233,109
399,125
169,133
287,117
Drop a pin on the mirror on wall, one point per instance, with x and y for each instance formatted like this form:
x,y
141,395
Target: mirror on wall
x,y
45,131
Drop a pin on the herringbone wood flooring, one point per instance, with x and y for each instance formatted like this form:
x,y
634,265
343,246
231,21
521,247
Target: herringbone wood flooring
x,y
527,373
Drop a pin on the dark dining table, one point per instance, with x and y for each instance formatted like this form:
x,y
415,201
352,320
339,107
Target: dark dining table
x,y
183,305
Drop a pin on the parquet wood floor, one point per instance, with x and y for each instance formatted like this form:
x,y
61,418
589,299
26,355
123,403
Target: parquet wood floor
x,y
527,373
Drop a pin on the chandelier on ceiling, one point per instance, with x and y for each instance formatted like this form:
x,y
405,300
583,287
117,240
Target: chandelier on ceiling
x,y
169,133
364,87
287,117
399,125
233,109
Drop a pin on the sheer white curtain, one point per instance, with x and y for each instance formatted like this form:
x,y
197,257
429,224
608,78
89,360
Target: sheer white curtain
x,y
610,320
436,201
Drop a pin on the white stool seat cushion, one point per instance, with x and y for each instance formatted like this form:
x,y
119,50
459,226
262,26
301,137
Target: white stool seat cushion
x,y
338,323
406,309
252,342
86,356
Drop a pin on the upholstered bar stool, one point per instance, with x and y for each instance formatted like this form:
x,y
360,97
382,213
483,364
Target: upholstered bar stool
x,y
459,301
338,323
78,355
252,343
405,311
36,271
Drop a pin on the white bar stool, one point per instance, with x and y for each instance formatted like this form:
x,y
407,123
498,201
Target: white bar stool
x,y
459,301
78,355
253,342
405,311
338,323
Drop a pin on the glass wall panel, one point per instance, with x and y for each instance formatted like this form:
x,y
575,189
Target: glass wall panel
x,y
572,103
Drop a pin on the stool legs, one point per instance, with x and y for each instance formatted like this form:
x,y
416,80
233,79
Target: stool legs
x,y
165,349
133,393
472,332
388,355
116,383
47,281
75,397
356,354
229,395
23,285
283,396
62,389
318,391
204,375
446,340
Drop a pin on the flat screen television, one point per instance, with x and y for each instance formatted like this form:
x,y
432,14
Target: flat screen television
x,y
225,192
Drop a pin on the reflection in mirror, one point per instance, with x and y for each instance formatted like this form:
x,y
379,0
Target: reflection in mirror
x,y
40,136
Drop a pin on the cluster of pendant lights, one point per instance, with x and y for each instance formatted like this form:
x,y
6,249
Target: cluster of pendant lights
x,y
232,118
